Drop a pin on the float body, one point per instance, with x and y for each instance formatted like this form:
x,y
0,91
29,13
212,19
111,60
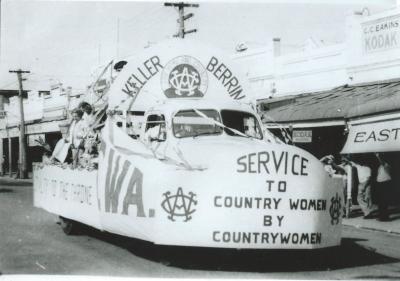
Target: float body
x,y
221,189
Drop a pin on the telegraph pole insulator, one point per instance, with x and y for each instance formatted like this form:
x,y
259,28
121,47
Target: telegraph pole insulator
x,y
191,31
188,16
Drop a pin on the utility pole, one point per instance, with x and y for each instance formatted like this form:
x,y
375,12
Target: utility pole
x,y
0,31
182,17
118,20
22,144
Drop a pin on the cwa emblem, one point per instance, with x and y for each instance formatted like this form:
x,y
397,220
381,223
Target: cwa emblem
x,y
335,209
179,205
184,77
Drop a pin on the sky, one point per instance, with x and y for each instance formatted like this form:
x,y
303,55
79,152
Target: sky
x,y
65,41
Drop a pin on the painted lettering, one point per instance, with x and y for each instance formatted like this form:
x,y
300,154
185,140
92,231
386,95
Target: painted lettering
x,y
134,197
240,163
294,238
374,136
225,75
269,220
241,202
144,73
307,204
273,162
359,135
384,134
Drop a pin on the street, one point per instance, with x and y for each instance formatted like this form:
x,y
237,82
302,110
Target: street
x,y
32,243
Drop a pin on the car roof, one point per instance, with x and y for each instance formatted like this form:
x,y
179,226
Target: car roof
x,y
172,106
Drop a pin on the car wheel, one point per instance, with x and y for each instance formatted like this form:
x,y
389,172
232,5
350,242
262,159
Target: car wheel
x,y
69,227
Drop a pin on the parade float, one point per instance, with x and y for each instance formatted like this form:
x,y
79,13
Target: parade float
x,y
184,160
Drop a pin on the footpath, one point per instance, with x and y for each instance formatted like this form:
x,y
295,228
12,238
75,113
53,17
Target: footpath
x,y
7,180
355,219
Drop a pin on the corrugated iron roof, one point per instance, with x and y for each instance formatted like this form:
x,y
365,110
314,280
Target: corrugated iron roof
x,y
339,103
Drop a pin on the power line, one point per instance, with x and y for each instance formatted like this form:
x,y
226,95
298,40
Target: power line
x,y
8,84
142,17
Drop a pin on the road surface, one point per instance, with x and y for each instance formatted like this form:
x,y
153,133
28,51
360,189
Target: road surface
x,y
32,243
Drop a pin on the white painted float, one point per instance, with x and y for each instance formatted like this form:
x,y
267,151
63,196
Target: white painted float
x,y
201,171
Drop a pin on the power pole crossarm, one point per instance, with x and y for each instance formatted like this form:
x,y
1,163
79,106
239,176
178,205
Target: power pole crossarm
x,y
182,17
173,4
23,172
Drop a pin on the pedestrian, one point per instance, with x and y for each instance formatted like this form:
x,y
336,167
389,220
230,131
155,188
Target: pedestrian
x,y
364,196
347,174
383,183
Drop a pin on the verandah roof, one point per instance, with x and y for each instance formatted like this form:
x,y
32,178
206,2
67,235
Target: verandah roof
x,y
344,102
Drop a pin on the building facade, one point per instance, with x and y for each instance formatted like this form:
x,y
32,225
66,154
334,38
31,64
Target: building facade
x,y
316,94
44,112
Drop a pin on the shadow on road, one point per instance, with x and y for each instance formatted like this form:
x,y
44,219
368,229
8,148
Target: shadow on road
x,y
349,254
6,190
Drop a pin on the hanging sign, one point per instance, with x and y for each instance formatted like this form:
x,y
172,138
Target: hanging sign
x,y
373,137
302,136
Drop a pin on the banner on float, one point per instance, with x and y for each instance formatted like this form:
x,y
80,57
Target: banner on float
x,y
176,70
71,193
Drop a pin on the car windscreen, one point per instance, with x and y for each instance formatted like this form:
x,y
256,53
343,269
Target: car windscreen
x,y
243,122
188,123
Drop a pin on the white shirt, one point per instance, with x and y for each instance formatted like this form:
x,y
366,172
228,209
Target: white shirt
x,y
152,133
89,119
364,173
76,132
383,173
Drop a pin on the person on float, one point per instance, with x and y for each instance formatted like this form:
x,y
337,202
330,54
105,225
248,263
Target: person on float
x,y
88,113
77,131
383,183
331,167
155,133
184,130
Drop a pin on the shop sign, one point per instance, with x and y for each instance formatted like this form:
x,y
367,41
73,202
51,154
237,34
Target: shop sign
x,y
44,127
381,136
302,136
382,34
37,128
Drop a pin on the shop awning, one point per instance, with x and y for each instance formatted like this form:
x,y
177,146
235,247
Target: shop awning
x,y
345,102
380,136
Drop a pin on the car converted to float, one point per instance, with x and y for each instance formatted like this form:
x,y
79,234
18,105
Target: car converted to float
x,y
184,160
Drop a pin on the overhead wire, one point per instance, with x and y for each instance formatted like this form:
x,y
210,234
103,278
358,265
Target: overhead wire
x,y
8,84
143,17
141,26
